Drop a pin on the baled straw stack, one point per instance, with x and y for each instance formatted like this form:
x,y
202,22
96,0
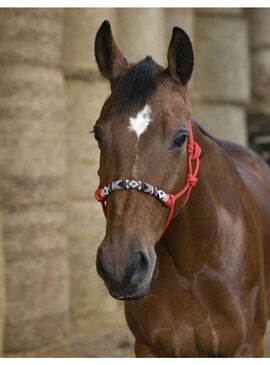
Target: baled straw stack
x,y
259,28
32,181
90,305
31,35
136,40
215,92
80,28
36,280
2,289
32,135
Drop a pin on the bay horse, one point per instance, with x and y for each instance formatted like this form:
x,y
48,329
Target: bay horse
x,y
187,243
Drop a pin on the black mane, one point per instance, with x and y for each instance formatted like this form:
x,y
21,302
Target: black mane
x,y
137,85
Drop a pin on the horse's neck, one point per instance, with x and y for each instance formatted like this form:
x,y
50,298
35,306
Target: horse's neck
x,y
194,237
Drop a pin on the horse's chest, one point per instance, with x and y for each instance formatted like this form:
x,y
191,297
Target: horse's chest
x,y
202,319
186,338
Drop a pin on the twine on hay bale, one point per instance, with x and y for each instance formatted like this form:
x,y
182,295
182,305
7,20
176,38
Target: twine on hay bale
x,y
31,35
2,289
32,135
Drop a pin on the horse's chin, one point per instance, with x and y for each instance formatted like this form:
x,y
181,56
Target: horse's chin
x,y
131,293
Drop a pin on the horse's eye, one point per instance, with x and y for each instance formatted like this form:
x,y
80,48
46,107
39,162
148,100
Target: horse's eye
x,y
180,140
98,136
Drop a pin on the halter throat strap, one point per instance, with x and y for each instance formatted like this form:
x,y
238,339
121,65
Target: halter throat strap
x,y
167,199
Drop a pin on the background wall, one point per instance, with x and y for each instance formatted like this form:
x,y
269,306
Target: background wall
x,y
51,300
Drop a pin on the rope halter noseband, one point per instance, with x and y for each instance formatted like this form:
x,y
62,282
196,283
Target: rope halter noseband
x,y
167,199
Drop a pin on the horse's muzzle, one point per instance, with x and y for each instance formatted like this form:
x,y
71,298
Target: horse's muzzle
x,y
126,277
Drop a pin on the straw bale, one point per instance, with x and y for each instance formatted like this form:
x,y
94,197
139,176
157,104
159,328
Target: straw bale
x,y
37,288
259,27
108,341
32,231
32,134
2,291
260,103
222,121
142,32
84,102
85,232
80,28
219,11
222,72
179,17
31,35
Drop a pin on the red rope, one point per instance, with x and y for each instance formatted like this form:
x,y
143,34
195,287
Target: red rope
x,y
193,153
101,199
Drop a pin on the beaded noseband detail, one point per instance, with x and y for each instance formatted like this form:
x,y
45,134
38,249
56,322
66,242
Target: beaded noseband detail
x,y
133,184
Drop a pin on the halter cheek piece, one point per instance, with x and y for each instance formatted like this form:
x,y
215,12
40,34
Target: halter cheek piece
x,y
168,200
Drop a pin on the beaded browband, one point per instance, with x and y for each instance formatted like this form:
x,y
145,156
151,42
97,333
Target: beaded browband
x,y
168,200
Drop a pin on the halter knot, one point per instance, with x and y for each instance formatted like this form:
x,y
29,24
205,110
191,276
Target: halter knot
x,y
191,180
98,196
190,148
194,150
170,202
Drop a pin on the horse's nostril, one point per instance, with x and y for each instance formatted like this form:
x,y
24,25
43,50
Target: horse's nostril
x,y
143,264
141,267
101,268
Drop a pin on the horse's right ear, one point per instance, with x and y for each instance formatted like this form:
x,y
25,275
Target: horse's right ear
x,y
108,56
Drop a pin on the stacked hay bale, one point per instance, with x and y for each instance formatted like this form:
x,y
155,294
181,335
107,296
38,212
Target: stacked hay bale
x,y
97,321
141,32
259,21
32,182
179,17
259,108
221,85
2,297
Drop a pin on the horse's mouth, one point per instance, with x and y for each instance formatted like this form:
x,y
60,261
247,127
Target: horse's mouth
x,y
130,293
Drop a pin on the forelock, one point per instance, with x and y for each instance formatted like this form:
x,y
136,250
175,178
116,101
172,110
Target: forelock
x,y
137,85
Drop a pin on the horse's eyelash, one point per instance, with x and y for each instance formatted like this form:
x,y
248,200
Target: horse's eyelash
x,y
92,131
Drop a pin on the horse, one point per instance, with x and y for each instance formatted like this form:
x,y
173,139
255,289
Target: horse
x,y
187,242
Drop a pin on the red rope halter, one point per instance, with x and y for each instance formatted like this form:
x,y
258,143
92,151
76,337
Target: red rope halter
x,y
193,154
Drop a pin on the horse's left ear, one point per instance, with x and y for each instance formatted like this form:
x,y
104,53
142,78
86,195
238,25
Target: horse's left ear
x,y
180,56
109,58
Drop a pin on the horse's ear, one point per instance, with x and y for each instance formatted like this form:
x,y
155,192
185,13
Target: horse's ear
x,y
108,56
180,56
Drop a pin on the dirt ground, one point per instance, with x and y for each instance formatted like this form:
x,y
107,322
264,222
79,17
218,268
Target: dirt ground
x,y
119,343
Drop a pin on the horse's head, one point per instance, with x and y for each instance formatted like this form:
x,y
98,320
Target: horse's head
x,y
141,133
